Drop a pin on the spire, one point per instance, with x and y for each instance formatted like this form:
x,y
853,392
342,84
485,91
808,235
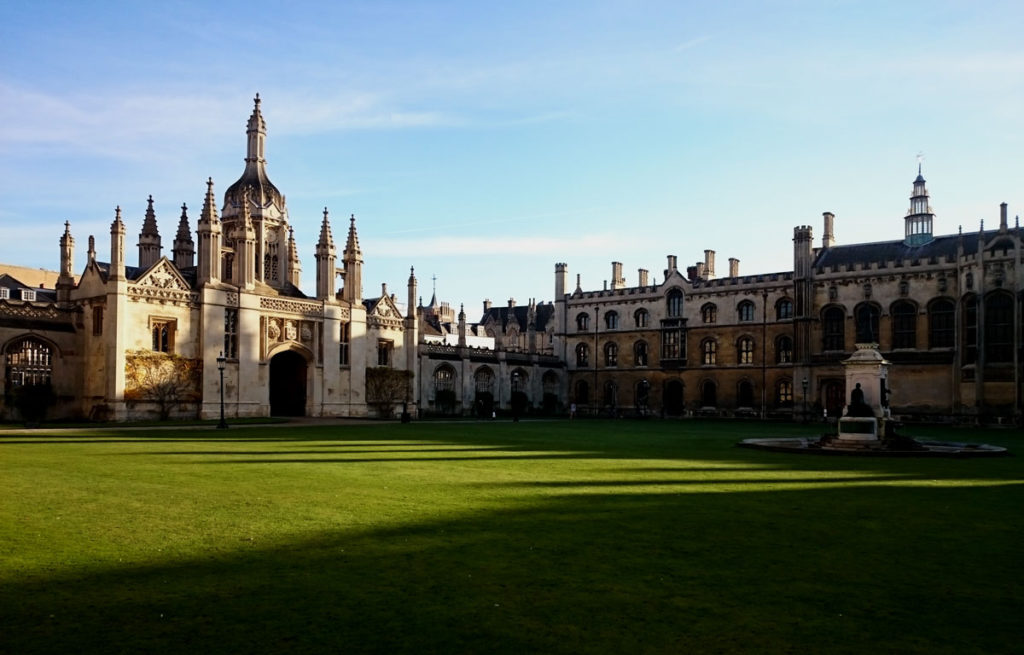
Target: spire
x,y
149,222
66,279
294,269
325,256
326,239
352,244
353,259
184,248
256,131
149,238
116,270
209,213
210,236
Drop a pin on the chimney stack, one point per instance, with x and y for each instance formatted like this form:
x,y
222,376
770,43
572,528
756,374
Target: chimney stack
x,y
828,238
709,263
618,282
487,305
643,276
1002,217
734,267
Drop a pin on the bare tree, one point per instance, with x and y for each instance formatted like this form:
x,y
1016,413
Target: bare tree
x,y
166,380
386,387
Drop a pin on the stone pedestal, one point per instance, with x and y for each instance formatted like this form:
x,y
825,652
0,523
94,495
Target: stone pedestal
x,y
867,409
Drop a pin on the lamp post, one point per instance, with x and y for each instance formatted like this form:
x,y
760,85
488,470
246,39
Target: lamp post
x,y
223,425
515,389
804,383
764,351
597,411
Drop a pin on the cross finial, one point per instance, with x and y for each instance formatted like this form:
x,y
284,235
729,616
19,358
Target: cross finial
x,y
920,158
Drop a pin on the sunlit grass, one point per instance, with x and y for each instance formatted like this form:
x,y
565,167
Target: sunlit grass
x,y
501,537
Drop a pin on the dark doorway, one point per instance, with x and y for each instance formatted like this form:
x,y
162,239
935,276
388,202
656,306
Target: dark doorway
x,y
484,404
287,384
745,394
673,400
835,398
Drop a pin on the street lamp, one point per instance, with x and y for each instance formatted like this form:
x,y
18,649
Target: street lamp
x,y
597,411
515,389
804,383
223,425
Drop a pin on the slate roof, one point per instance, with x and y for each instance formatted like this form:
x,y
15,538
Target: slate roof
x,y
520,314
15,285
941,247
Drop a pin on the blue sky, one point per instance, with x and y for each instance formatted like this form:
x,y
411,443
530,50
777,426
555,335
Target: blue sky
x,y
484,142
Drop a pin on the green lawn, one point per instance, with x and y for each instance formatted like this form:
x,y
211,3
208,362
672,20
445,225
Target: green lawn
x,y
555,537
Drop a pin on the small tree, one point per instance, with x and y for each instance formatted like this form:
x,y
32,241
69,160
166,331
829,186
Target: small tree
x,y
166,380
386,387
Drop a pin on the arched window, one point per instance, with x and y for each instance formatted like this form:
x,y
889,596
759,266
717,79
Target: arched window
x,y
783,350
444,378
833,323
970,331
444,388
784,309
709,352
904,325
484,380
674,303
640,353
745,311
611,320
745,351
611,354
29,362
998,328
582,394
784,393
709,313
866,318
582,354
642,318
583,321
941,324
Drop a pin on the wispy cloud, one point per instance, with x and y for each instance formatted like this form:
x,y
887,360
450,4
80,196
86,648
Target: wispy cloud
x,y
497,244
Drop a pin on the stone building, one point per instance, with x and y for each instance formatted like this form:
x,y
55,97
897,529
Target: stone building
x,y
945,310
122,339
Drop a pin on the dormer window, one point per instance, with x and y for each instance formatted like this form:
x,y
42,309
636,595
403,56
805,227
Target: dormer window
x,y
5,294
28,294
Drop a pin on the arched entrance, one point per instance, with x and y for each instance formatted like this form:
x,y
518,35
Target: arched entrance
x,y
673,398
287,384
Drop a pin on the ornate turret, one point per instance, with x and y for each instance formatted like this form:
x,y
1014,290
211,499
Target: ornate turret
x,y
353,259
184,248
294,271
244,235
149,238
117,246
919,218
66,279
210,236
254,178
325,258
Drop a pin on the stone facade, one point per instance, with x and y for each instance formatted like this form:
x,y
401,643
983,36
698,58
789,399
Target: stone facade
x,y
944,310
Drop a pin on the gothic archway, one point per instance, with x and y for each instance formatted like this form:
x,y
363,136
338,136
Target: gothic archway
x,y
288,384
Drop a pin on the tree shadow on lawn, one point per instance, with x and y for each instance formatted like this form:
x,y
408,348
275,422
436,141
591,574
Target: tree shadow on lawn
x,y
902,569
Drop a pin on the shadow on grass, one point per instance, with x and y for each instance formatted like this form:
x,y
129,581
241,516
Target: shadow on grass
x,y
835,570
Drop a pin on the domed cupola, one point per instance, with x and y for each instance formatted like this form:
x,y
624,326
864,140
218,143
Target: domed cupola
x,y
262,192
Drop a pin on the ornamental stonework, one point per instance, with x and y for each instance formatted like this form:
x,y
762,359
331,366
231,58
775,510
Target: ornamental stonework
x,y
292,306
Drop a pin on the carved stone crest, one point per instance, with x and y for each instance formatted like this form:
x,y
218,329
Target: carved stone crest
x,y
274,330
290,331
